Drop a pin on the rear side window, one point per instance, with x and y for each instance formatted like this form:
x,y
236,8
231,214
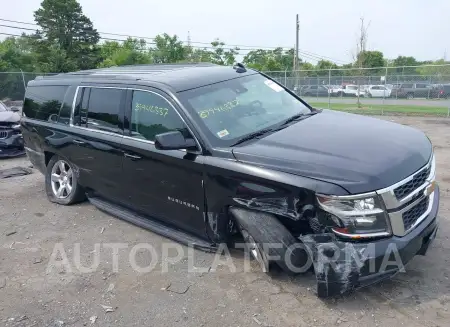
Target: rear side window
x,y
44,102
408,86
99,109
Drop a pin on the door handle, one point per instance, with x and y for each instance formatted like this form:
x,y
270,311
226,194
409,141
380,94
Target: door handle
x,y
131,156
78,142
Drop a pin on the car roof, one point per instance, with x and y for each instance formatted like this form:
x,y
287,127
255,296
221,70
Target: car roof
x,y
179,77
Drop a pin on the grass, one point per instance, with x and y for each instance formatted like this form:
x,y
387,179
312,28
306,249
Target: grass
x,y
378,109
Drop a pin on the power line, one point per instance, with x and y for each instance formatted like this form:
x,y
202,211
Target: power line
x,y
303,53
193,46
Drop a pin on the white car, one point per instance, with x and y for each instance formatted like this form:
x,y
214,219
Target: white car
x,y
352,90
378,91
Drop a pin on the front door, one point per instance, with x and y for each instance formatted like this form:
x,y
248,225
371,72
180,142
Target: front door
x,y
167,185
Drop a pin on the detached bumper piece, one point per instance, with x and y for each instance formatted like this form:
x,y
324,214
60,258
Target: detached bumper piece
x,y
341,267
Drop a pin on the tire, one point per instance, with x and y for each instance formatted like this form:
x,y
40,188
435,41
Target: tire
x,y
339,94
410,96
307,94
259,228
67,183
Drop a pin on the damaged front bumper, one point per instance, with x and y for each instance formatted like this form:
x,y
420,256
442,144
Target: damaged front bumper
x,y
341,267
11,146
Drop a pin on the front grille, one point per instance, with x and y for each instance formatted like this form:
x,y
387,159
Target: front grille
x,y
411,216
418,179
3,134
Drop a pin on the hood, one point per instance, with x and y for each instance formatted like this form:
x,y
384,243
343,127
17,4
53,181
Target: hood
x,y
9,117
358,153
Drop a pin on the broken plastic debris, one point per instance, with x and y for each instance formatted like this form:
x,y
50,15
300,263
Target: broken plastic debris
x,y
107,308
93,319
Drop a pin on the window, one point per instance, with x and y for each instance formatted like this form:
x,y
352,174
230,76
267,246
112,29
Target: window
x,y
421,86
66,109
99,108
151,114
313,87
231,109
44,102
407,86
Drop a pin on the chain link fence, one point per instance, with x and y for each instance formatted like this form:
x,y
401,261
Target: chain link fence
x,y
413,90
418,90
12,86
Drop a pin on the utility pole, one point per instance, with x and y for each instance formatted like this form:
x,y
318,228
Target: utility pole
x,y
297,28
296,65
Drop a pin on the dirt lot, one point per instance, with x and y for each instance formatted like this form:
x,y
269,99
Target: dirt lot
x,y
34,293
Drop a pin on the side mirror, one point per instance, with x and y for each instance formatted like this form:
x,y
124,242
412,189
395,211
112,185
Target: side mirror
x,y
173,141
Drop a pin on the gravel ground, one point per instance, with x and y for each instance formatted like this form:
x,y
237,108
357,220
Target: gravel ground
x,y
34,292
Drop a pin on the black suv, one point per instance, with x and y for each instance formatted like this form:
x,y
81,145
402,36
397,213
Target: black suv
x,y
209,155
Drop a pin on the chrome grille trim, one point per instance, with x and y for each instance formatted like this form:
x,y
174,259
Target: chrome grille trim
x,y
388,195
3,135
406,203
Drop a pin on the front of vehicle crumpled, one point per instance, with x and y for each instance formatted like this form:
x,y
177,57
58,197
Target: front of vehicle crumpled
x,y
11,141
378,232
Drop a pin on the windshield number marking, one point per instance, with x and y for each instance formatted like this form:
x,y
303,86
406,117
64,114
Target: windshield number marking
x,y
225,107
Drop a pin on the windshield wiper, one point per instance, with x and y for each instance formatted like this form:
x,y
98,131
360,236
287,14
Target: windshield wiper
x,y
254,135
298,117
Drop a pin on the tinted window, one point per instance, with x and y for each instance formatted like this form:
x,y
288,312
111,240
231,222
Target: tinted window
x,y
43,102
313,87
407,85
64,113
103,108
421,86
151,115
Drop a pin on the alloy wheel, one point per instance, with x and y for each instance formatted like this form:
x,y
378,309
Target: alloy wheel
x,y
62,179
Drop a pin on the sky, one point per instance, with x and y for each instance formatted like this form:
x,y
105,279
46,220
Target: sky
x,y
328,29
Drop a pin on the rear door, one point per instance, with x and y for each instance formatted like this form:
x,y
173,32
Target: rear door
x,y
97,124
164,184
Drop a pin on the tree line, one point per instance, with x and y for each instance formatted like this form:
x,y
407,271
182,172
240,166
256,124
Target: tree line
x,y
66,40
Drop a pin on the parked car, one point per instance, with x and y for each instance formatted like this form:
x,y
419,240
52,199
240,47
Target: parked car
x,y
412,90
335,90
11,141
378,91
441,91
209,155
314,90
351,90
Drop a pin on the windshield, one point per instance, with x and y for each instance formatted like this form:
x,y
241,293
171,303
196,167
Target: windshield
x,y
229,110
3,107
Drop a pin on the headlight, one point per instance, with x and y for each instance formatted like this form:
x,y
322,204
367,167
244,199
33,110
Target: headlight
x,y
360,216
16,126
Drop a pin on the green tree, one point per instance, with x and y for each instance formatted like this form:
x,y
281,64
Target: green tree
x,y
270,60
221,55
131,52
66,31
168,49
373,59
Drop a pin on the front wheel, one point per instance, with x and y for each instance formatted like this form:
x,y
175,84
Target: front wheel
x,y
61,182
410,96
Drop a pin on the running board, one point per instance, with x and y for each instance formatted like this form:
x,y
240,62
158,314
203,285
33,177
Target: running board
x,y
151,224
